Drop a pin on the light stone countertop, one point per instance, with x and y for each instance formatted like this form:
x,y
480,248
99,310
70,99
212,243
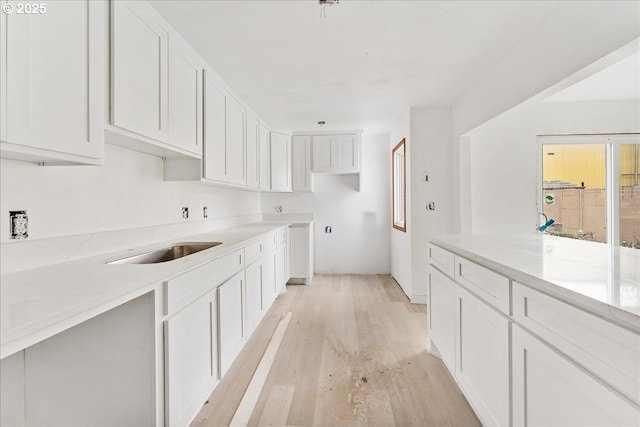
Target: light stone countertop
x,y
593,276
39,303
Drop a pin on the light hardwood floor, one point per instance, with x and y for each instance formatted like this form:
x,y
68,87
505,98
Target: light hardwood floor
x,y
353,354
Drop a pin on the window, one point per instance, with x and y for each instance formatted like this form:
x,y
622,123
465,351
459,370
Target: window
x,y
590,187
399,188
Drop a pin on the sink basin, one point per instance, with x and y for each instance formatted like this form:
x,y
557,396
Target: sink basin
x,y
176,251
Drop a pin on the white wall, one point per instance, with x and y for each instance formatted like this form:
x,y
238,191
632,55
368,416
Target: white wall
x,y
431,152
575,36
505,156
360,221
128,191
401,241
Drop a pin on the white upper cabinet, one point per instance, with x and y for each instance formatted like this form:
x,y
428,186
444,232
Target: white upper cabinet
x,y
235,115
347,153
336,154
156,85
253,150
52,82
224,130
139,84
185,97
323,158
301,163
264,153
215,134
280,162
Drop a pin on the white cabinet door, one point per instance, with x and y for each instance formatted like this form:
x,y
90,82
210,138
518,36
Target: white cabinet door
x,y
282,271
300,253
280,162
265,159
323,156
301,163
482,358
269,279
230,320
253,295
139,67
215,134
335,154
346,152
442,293
185,98
52,82
551,390
235,142
191,358
253,151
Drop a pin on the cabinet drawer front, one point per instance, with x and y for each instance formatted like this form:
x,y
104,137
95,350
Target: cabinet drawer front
x,y
281,236
269,243
253,251
441,258
607,350
488,285
183,289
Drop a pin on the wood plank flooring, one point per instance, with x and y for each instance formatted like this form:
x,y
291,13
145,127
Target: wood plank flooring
x,y
353,354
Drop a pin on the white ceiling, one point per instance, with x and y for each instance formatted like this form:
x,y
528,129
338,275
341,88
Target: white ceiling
x,y
362,64
620,81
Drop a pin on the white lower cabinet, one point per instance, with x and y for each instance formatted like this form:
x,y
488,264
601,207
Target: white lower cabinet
x,y
230,320
525,358
442,315
253,295
551,390
482,358
301,253
269,279
191,361
282,262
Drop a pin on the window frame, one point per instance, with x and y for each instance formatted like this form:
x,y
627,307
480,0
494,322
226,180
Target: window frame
x,y
612,144
399,201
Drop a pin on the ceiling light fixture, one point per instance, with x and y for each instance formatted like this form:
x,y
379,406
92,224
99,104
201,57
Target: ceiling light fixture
x,y
324,4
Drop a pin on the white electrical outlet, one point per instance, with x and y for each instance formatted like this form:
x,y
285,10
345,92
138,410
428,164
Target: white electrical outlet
x,y
19,224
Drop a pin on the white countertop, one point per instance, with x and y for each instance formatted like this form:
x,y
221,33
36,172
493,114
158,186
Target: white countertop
x,y
39,303
593,276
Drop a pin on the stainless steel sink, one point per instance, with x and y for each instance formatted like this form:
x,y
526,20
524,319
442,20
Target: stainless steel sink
x,y
176,251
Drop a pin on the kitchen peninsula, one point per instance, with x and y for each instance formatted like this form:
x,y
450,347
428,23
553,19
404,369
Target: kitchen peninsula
x,y
522,322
